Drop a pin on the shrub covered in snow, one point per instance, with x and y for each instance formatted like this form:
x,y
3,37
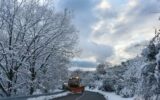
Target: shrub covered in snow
x,y
101,69
127,92
108,84
113,79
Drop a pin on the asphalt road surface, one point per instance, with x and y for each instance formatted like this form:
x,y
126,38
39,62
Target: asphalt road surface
x,y
85,96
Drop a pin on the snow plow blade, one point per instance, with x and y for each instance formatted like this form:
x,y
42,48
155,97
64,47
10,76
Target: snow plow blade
x,y
77,89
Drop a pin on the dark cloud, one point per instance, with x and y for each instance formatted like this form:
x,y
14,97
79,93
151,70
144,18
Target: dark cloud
x,y
102,52
83,13
82,63
77,5
138,16
145,8
99,51
136,48
108,13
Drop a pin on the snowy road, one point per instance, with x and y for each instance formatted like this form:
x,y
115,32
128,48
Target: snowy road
x,y
85,96
32,97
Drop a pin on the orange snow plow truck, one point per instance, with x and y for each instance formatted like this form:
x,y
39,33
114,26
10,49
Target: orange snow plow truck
x,y
74,85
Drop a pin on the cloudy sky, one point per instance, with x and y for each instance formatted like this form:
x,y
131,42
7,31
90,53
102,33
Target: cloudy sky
x,y
111,30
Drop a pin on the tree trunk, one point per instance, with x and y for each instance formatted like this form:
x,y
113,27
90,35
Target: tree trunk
x,y
10,77
33,76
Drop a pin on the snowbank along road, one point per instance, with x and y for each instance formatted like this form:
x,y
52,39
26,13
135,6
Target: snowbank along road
x,y
85,96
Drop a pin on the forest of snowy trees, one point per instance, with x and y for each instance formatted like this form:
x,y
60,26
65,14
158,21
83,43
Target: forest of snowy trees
x,y
36,45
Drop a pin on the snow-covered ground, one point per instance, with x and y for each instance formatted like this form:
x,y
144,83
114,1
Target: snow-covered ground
x,y
38,91
109,95
49,97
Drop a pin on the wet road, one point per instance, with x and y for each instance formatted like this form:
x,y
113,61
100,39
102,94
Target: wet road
x,y
85,96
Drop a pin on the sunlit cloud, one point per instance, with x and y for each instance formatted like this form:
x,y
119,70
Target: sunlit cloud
x,y
132,3
103,5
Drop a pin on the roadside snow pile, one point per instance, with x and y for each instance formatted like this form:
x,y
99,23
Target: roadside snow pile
x,y
49,97
109,95
38,91
56,90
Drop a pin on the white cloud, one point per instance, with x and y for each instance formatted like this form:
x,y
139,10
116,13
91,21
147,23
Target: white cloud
x,y
132,3
103,5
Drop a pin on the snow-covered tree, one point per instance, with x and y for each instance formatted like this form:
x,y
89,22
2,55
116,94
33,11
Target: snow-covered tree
x,y
132,76
150,52
101,69
36,47
148,86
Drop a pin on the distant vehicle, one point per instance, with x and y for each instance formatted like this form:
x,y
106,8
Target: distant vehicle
x,y
74,85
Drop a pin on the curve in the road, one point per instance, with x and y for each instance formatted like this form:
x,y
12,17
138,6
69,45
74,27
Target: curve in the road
x,y
85,96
